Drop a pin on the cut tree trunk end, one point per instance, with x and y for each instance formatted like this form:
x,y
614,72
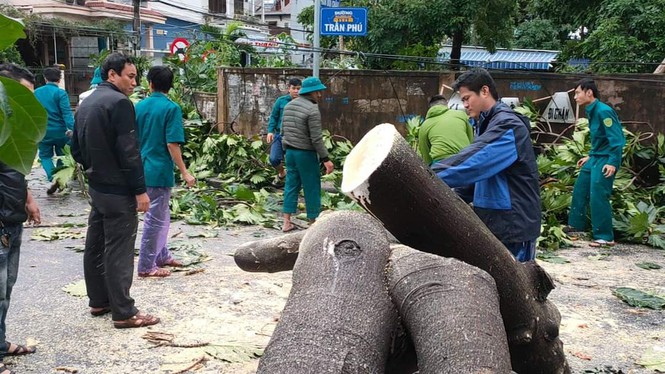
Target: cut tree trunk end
x,y
338,317
388,179
451,311
269,255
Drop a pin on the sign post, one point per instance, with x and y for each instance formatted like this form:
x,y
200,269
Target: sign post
x,y
317,39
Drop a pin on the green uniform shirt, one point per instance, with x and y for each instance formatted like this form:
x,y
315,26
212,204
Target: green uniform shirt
x,y
444,133
275,122
159,122
607,137
56,102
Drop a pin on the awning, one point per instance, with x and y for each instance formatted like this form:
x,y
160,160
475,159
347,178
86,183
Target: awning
x,y
516,59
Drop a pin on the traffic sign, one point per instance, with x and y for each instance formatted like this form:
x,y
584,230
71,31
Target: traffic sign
x,y
344,21
179,47
330,3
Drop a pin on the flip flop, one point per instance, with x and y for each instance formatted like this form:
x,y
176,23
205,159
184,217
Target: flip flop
x,y
19,350
138,320
96,312
4,369
173,263
601,243
157,273
291,228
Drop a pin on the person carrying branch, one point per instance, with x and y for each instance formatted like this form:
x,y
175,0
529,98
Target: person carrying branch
x,y
593,187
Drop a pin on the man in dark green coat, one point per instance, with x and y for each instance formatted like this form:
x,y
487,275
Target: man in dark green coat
x,y
594,185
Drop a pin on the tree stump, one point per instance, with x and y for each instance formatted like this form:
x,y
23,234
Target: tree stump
x,y
451,311
386,177
338,317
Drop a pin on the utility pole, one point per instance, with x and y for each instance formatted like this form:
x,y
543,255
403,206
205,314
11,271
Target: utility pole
x,y
136,27
317,38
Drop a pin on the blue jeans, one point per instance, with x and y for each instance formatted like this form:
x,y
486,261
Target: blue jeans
x,y
276,152
9,257
156,222
524,251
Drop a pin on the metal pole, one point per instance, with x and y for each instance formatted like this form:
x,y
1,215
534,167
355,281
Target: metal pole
x,y
137,27
253,9
55,48
317,38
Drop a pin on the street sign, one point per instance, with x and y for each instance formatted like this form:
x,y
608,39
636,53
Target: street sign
x,y
559,109
330,3
344,21
179,47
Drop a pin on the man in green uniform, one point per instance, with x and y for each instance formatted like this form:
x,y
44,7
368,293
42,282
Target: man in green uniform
x,y
274,135
60,121
444,133
594,185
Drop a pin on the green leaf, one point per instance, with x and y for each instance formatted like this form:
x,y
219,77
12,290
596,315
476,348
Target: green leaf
x,y
76,288
5,113
28,126
638,298
648,265
12,30
654,358
244,193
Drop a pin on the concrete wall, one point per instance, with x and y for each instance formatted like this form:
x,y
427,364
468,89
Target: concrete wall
x,y
358,100
354,102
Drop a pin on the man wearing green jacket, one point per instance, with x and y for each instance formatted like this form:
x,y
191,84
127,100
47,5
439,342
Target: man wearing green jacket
x,y
274,135
594,185
60,121
444,133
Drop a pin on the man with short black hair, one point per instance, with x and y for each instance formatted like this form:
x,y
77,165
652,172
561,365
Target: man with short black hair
x,y
274,135
501,165
161,133
16,206
105,143
593,187
445,132
60,122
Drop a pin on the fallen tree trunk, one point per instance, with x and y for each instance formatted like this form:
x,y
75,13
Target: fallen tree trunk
x,y
386,177
451,311
338,317
269,255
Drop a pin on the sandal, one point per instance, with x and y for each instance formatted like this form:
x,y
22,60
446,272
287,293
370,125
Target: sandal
x,y
19,350
601,243
289,228
138,320
157,273
173,263
96,312
5,370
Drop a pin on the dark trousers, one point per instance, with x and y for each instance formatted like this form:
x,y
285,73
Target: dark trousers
x,y
108,260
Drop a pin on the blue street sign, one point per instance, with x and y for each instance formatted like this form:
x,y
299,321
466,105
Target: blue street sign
x,y
344,21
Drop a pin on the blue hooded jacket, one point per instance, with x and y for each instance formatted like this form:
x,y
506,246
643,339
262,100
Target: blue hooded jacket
x,y
502,165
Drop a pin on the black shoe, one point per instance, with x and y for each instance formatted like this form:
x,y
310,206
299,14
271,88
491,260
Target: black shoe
x,y
278,181
54,187
570,229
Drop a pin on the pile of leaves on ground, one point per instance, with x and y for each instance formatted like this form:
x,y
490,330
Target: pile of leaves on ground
x,y
639,192
236,180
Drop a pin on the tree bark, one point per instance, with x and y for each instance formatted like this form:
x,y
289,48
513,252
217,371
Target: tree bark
x,y
269,255
386,177
338,317
451,310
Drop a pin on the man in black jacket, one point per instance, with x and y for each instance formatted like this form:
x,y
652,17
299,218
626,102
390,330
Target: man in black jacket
x,y
16,206
106,144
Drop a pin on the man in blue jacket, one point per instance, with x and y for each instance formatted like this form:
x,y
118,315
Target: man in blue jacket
x,y
60,121
598,168
501,165
274,135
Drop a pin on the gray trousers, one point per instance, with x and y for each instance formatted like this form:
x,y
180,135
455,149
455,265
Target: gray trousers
x,y
108,260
